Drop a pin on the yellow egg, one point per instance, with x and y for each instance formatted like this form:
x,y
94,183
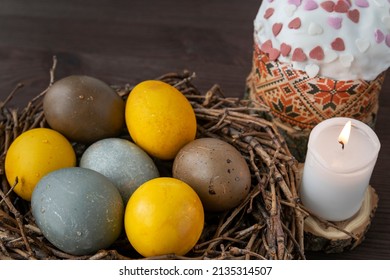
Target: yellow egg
x,y
32,155
160,119
164,216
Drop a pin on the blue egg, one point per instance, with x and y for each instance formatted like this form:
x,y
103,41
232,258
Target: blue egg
x,y
78,210
121,161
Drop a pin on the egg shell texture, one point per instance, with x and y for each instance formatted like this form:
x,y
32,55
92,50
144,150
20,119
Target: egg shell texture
x,y
32,155
124,163
78,210
84,109
216,171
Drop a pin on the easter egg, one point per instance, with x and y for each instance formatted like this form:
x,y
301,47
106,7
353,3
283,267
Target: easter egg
x,y
164,216
159,118
216,171
84,109
78,210
121,161
32,155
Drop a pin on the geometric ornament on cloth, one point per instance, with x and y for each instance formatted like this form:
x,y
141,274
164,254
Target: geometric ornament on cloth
x,y
302,101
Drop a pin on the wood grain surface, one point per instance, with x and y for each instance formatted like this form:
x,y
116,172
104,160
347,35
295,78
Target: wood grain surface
x,y
129,41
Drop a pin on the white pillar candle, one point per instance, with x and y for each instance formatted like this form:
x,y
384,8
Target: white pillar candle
x,y
334,178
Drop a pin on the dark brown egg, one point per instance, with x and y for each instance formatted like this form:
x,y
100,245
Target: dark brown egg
x,y
216,171
84,109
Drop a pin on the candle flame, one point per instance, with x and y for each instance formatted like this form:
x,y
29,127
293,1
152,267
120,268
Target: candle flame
x,y
344,135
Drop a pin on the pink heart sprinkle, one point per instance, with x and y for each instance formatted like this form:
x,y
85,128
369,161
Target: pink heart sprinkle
x,y
273,54
354,15
276,28
328,6
268,13
298,55
285,49
317,53
335,22
362,3
379,36
310,5
295,2
266,46
387,40
341,7
295,23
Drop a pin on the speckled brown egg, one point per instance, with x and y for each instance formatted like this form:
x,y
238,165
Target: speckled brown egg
x,y
216,171
84,109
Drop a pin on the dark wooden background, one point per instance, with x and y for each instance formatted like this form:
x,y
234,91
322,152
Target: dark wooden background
x,y
129,41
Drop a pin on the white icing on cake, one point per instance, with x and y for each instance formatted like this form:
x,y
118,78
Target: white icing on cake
x,y
343,40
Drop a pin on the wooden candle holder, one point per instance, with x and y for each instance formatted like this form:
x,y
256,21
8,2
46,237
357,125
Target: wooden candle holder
x,y
336,237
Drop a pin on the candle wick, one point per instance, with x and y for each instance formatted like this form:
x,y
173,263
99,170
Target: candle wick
x,y
342,144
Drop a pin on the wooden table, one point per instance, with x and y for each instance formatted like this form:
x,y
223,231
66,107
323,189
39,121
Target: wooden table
x,y
129,41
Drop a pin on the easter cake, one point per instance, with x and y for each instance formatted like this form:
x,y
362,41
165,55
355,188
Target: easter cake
x,y
315,60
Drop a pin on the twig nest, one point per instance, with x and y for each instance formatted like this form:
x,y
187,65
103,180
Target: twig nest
x,y
266,224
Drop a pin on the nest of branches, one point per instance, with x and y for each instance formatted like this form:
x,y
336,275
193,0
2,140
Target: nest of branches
x,y
268,224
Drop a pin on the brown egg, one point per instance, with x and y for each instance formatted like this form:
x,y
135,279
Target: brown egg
x,y
216,171
84,109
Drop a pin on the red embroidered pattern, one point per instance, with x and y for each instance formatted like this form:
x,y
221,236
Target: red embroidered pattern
x,y
302,101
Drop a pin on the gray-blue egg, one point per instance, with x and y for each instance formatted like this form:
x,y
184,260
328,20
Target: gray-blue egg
x,y
78,210
121,161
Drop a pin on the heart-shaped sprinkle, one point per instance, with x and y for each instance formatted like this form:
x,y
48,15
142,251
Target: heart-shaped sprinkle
x,y
330,56
312,70
295,2
310,5
273,54
379,36
295,23
285,49
362,3
298,55
328,6
354,15
290,10
362,44
346,60
276,28
335,22
315,29
268,13
317,53
338,44
341,7
266,46
387,40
